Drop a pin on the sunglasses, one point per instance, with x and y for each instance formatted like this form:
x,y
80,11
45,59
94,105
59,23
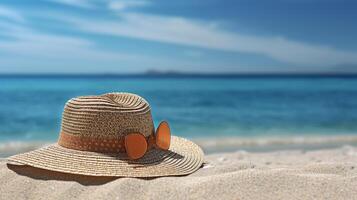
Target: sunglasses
x,y
136,144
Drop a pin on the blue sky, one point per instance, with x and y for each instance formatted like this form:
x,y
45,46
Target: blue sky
x,y
210,36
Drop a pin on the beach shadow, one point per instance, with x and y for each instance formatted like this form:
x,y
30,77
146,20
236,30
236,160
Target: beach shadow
x,y
168,154
43,174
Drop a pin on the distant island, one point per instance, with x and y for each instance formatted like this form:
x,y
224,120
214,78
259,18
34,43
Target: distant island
x,y
153,73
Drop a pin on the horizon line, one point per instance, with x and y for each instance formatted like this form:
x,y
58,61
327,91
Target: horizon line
x,y
174,74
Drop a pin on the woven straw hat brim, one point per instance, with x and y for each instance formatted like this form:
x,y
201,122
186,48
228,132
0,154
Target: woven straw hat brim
x,y
184,157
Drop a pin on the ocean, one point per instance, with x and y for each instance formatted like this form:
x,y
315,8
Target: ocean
x,y
200,107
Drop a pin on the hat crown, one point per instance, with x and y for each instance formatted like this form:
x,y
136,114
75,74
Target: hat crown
x,y
111,115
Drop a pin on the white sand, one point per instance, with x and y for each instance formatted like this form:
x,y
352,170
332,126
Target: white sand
x,y
322,174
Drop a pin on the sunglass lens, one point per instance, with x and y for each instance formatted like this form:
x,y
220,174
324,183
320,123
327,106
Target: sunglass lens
x,y
163,136
135,145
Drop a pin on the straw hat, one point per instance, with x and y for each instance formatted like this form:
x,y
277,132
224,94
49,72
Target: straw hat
x,y
93,137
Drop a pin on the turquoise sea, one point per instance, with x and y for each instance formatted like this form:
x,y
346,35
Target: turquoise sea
x,y
196,107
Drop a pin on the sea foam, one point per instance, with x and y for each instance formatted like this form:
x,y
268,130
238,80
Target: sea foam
x,y
224,144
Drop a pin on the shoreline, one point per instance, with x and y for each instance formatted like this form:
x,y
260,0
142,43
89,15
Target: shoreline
x,y
275,143
212,145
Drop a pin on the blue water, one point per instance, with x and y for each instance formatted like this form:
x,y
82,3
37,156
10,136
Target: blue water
x,y
30,108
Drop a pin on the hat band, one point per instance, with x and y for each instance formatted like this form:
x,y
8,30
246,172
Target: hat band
x,y
84,143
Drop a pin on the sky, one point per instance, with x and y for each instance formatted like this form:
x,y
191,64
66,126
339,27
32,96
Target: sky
x,y
198,36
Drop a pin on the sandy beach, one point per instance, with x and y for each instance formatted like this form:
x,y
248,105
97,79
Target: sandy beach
x,y
290,174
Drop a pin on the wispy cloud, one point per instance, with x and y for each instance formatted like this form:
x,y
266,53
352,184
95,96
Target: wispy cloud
x,y
76,3
27,50
193,53
119,5
48,50
114,5
182,31
11,14
37,45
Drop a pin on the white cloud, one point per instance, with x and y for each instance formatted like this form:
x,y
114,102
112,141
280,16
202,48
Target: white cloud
x,y
119,5
33,51
115,5
48,49
182,31
29,44
193,53
11,14
76,3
